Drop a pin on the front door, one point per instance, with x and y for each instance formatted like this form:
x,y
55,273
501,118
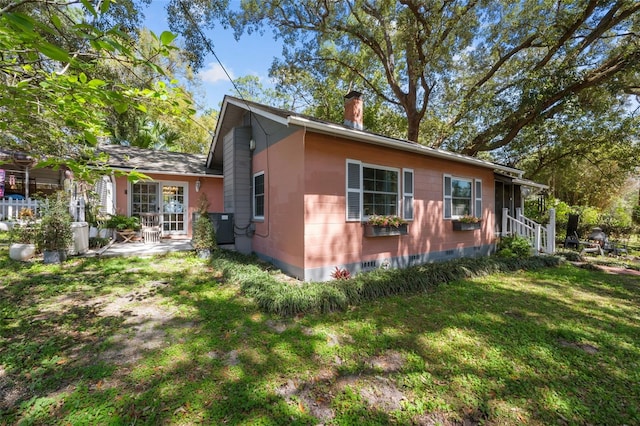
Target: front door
x,y
168,199
174,208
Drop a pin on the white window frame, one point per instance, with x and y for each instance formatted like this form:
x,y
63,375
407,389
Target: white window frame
x,y
399,183
355,190
408,212
447,191
264,195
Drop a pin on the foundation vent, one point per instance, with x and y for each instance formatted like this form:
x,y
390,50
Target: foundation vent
x,y
369,264
449,252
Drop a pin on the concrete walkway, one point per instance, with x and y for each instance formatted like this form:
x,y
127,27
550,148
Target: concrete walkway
x,y
141,249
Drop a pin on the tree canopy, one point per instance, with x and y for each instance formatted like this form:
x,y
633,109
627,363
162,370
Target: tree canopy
x,y
531,83
73,71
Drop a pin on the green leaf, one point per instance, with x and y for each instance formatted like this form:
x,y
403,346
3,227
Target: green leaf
x,y
97,83
141,107
20,21
55,20
90,137
54,52
167,37
83,78
89,7
121,108
104,6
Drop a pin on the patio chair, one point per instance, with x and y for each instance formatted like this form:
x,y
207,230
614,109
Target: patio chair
x,y
150,227
572,240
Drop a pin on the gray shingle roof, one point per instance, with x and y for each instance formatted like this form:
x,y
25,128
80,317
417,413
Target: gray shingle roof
x,y
149,160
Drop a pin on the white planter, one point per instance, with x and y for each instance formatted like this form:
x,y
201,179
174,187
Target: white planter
x,y
22,252
80,244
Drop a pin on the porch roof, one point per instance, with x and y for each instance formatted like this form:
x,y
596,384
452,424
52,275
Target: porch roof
x,y
154,161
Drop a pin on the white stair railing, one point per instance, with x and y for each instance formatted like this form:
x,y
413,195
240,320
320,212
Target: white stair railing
x,y
541,238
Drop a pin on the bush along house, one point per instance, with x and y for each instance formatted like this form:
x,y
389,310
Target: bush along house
x,y
309,195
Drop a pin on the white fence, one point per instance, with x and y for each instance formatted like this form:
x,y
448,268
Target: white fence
x,y
10,208
541,238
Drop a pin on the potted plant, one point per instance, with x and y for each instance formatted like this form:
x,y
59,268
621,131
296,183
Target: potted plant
x,y
204,235
385,225
466,223
23,237
125,226
55,234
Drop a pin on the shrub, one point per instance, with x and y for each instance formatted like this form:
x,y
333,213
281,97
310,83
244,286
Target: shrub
x,y
98,242
635,215
55,226
282,298
121,222
514,246
24,233
204,234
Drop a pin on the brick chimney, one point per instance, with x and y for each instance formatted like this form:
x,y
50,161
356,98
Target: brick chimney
x,y
353,110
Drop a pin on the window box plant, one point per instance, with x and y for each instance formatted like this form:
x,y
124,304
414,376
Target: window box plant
x,y
466,223
384,226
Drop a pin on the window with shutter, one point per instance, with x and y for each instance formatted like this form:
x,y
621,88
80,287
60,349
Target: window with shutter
x,y
354,190
407,190
447,196
478,198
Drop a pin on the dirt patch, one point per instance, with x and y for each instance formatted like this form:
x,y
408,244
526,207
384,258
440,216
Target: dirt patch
x,y
142,329
10,390
617,270
590,349
374,386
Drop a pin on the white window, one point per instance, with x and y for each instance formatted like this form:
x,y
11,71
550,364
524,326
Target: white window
x,y
379,191
462,197
407,192
258,195
373,190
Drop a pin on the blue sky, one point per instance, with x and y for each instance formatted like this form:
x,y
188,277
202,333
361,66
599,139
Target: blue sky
x,y
251,55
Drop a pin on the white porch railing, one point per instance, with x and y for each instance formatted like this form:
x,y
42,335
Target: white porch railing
x,y
541,238
10,208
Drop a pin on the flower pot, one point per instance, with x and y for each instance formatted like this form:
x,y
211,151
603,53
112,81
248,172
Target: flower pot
x,y
384,231
204,253
22,252
465,226
54,256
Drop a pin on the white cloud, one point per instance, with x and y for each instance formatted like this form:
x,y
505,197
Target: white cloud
x,y
214,73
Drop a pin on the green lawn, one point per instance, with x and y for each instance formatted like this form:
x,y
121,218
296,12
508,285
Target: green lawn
x,y
168,340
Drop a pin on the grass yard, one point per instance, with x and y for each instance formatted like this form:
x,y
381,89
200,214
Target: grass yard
x,y
170,340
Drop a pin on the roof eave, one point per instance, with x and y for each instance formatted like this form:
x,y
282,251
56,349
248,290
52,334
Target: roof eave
x,y
163,172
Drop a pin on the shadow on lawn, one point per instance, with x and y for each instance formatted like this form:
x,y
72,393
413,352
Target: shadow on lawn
x,y
467,352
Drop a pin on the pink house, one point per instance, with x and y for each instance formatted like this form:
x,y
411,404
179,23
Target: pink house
x,y
176,182
301,190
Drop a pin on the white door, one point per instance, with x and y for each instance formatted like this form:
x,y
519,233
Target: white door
x,y
174,208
